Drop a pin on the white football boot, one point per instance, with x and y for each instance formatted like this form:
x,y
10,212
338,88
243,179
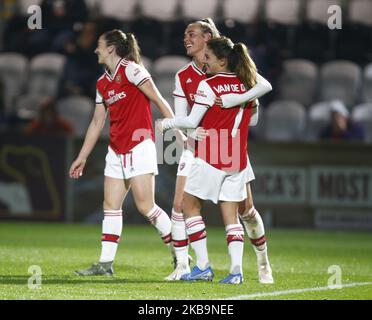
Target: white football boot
x,y
180,270
265,275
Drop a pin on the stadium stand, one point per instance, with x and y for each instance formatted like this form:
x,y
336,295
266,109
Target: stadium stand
x,y
27,106
153,27
298,81
78,111
118,9
240,19
285,121
164,70
13,72
318,117
44,74
340,80
282,19
367,83
315,40
313,63
363,114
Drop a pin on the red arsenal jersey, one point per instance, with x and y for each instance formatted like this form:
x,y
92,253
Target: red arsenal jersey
x,y
226,146
129,109
187,82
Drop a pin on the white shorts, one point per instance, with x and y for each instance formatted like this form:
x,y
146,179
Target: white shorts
x,y
249,173
186,161
140,160
208,183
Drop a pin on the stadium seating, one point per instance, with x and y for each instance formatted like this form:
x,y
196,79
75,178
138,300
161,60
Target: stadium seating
x,y
196,9
164,70
367,83
153,27
118,9
363,114
340,80
23,5
354,42
282,18
298,81
285,120
164,12
315,40
243,11
240,20
360,11
318,117
169,65
45,72
285,12
13,71
27,106
78,111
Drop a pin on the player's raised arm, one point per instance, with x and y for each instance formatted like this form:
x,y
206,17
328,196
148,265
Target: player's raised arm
x,y
91,137
232,100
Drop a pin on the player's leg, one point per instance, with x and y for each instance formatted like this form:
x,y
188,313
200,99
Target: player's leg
x,y
143,190
179,236
115,191
197,234
254,227
235,241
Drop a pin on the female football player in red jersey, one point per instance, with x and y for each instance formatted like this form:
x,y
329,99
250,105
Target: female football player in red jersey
x,y
215,175
187,80
124,91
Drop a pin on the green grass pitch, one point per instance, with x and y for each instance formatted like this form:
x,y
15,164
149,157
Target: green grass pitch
x,y
300,260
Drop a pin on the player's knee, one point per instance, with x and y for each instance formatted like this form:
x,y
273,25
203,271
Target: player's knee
x,y
248,213
144,207
110,205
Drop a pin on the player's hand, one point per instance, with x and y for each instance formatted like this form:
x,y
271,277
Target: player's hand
x,y
77,167
199,134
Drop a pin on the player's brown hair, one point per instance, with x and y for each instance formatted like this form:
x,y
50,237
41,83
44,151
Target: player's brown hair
x,y
126,44
207,25
238,59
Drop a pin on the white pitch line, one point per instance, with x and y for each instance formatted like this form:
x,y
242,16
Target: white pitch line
x,y
284,292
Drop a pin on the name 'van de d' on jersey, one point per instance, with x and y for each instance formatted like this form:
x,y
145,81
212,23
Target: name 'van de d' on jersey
x,y
226,146
129,108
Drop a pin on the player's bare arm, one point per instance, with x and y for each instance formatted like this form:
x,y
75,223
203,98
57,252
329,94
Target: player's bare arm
x,y
91,137
151,91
